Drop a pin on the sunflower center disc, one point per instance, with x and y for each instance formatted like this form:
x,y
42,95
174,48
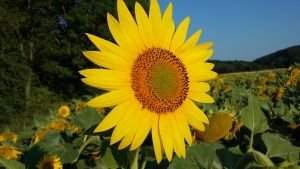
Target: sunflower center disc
x,y
159,80
48,165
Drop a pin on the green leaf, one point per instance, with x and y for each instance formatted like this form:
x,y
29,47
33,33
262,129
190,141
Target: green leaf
x,y
11,164
179,163
87,118
108,160
229,156
279,147
52,143
252,116
200,155
112,157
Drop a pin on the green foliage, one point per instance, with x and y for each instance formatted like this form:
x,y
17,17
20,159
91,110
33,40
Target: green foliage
x,y
87,118
280,147
11,164
264,134
253,118
41,44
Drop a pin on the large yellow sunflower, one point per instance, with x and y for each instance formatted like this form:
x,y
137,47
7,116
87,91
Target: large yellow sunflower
x,y
152,75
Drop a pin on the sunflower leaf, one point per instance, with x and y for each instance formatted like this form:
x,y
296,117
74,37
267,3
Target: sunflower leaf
x,y
200,155
229,156
54,144
280,147
252,116
11,164
87,118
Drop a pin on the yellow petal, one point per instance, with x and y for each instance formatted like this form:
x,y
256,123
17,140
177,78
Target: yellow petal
x,y
111,98
194,115
183,126
106,79
144,25
190,43
199,87
112,118
200,97
199,53
156,140
178,139
107,60
127,140
201,65
143,129
155,19
197,56
180,34
166,134
121,37
167,28
125,16
108,47
201,75
127,122
129,28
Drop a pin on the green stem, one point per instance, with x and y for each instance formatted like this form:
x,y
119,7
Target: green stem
x,y
251,142
133,159
144,163
253,155
82,147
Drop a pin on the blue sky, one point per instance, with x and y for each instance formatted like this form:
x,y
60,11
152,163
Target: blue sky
x,y
241,30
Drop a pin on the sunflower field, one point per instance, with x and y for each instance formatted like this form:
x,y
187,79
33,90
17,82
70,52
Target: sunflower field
x,y
150,77
254,123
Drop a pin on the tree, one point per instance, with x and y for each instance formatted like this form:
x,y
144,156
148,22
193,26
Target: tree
x,y
41,47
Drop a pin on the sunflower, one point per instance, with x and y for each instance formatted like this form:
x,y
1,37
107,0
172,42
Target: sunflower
x,y
9,152
60,125
219,126
153,75
56,125
63,111
40,134
50,162
8,136
80,106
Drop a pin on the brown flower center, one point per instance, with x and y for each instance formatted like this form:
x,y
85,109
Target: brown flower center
x,y
48,165
159,80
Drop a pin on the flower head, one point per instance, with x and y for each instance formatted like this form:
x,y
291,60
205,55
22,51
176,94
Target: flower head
x,y
56,125
292,81
9,152
63,111
8,136
80,106
50,162
40,134
219,125
280,93
153,75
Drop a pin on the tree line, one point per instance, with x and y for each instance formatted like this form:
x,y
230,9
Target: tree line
x,y
41,44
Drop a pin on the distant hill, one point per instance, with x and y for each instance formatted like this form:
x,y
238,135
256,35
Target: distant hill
x,y
280,59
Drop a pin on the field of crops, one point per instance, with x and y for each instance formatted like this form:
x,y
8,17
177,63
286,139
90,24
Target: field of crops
x,y
254,123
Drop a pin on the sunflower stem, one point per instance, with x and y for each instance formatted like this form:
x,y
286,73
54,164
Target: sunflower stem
x,y
133,159
253,155
85,143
